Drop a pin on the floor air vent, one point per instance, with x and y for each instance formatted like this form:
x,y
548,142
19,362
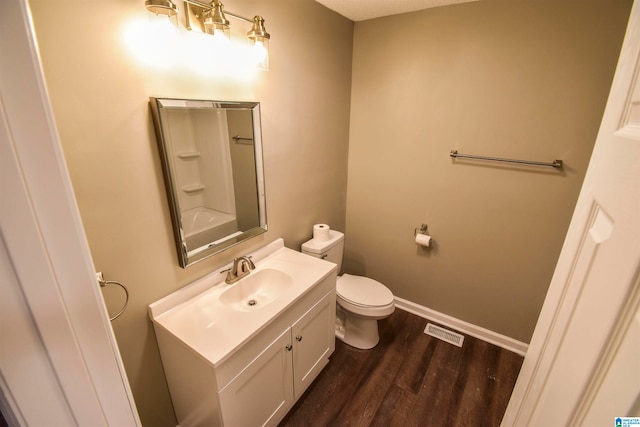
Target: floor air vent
x,y
444,335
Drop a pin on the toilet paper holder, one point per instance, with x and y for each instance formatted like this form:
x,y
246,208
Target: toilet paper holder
x,y
421,236
422,230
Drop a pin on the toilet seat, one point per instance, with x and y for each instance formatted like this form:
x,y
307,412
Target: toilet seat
x,y
364,296
363,291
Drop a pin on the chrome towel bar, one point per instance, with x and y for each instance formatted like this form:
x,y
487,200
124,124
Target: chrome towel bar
x,y
555,164
238,138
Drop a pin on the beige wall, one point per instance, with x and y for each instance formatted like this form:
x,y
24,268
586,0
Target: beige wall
x,y
515,79
100,93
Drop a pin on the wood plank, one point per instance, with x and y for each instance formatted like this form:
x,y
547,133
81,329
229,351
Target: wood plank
x,y
419,355
506,374
470,385
396,408
438,392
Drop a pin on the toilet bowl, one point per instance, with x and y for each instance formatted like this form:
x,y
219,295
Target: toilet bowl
x,y
360,301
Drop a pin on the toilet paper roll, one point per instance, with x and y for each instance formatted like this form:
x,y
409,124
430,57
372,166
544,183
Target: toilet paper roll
x,y
321,232
423,240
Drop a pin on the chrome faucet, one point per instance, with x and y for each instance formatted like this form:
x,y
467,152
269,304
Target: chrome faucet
x,y
241,267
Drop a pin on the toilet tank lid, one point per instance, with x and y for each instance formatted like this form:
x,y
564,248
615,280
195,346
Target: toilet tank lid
x,y
315,246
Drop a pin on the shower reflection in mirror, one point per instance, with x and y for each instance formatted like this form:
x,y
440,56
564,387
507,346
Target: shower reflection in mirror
x,y
211,153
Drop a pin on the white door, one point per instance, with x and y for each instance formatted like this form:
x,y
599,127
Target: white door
x,y
583,364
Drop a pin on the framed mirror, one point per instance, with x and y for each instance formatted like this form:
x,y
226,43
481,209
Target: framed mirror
x,y
211,154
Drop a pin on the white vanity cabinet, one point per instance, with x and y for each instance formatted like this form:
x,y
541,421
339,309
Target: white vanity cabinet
x,y
313,342
246,367
263,392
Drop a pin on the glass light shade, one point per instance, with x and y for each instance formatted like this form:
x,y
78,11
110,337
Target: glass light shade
x,y
260,38
260,52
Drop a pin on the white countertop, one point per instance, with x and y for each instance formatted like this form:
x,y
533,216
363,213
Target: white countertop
x,y
195,315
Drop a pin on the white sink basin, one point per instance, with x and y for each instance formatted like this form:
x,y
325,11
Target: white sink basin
x,y
215,318
257,290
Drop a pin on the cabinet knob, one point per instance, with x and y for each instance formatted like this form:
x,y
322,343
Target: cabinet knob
x,y
289,347
299,338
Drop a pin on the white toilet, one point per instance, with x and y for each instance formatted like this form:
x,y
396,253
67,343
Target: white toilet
x,y
360,301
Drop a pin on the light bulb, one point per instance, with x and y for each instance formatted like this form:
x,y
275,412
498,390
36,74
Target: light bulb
x,y
260,53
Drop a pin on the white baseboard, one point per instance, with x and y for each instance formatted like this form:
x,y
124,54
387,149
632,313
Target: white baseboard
x,y
464,327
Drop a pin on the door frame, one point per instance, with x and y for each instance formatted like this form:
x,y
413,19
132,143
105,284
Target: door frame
x,y
47,256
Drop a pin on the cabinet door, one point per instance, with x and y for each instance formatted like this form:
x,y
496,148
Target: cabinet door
x,y
314,341
263,392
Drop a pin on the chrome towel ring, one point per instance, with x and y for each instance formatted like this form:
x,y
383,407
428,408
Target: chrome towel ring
x,y
104,283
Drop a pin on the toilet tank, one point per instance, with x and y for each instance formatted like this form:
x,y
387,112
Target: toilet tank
x,y
331,249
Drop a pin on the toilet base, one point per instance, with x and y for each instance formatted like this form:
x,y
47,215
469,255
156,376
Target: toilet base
x,y
356,331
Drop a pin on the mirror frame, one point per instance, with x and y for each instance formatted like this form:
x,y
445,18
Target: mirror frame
x,y
189,257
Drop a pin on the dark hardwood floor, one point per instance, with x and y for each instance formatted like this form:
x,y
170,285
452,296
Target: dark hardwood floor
x,y
410,379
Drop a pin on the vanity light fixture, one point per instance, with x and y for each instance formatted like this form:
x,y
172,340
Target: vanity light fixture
x,y
215,22
260,39
211,19
161,8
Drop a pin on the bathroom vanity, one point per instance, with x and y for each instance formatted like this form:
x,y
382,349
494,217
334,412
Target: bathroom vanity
x,y
242,354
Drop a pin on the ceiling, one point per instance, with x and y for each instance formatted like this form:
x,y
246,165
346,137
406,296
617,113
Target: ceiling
x,y
359,10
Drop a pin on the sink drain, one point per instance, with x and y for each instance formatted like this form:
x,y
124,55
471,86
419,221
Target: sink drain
x,y
252,302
